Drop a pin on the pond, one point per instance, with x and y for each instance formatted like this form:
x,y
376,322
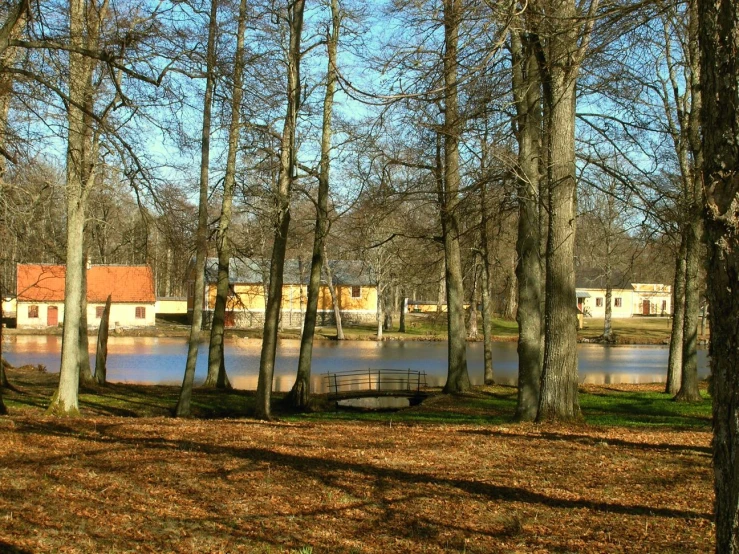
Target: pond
x,y
154,360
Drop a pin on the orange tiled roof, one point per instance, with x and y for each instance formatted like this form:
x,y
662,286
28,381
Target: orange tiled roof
x,y
45,283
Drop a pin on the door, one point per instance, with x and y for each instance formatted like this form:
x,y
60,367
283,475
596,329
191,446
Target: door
x,y
52,316
645,307
229,319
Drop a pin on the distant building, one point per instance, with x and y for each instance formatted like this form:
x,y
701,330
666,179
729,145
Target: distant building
x,y
40,295
628,299
356,291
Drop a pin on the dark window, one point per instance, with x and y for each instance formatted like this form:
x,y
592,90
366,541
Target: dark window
x,y
664,306
356,292
140,312
99,311
32,312
599,302
617,303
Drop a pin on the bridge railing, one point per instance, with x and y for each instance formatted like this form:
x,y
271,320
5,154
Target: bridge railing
x,y
380,380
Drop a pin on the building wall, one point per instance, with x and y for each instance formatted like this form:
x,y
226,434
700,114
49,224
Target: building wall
x,y
171,306
591,308
121,315
250,298
632,303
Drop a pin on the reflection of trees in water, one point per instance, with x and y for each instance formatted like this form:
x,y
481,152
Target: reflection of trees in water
x,y
159,360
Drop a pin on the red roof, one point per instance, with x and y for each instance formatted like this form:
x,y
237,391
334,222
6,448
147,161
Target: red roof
x,y
45,283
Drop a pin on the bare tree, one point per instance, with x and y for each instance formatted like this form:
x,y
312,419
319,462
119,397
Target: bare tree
x,y
217,376
527,95
183,408
563,40
288,159
718,33
300,394
85,17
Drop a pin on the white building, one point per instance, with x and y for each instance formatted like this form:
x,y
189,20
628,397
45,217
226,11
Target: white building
x,y
40,295
627,299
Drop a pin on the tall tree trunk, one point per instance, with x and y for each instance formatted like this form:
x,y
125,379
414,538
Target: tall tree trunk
x,y
487,307
299,396
558,398
472,326
282,196
184,408
85,371
3,377
675,359
487,319
334,297
101,352
217,376
526,86
458,379
12,29
607,320
719,37
84,19
378,315
403,312
693,251
689,376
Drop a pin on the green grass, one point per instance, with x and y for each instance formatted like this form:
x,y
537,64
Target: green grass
x,y
493,405
624,408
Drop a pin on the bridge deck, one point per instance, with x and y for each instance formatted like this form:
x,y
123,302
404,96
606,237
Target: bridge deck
x,y
375,382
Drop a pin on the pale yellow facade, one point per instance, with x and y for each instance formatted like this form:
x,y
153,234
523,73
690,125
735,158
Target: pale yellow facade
x,y
295,297
653,299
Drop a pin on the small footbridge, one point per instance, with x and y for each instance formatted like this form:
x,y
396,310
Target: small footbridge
x,y
405,383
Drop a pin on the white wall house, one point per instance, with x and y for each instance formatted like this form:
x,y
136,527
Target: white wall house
x,y
40,295
633,299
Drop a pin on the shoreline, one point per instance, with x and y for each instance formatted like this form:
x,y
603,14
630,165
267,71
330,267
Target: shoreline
x,y
183,332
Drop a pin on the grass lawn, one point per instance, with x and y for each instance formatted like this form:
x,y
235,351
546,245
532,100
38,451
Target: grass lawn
x,y
632,330
453,474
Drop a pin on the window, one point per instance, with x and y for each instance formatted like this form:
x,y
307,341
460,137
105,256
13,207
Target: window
x,y
32,312
599,302
99,311
617,302
664,306
356,292
140,312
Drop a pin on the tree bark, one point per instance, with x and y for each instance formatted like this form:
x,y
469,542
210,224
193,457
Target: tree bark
x,y
472,325
559,64
217,376
101,352
458,379
3,376
86,376
84,19
719,37
299,396
693,250
184,408
675,360
282,197
526,87
334,297
689,376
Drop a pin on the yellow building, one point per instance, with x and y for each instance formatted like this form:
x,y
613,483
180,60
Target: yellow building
x,y
355,289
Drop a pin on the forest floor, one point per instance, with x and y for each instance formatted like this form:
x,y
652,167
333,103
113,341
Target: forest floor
x,y
453,474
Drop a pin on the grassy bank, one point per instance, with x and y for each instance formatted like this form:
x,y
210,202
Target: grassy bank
x,y
454,474
633,330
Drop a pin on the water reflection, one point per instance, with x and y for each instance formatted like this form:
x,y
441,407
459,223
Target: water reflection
x,y
156,360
